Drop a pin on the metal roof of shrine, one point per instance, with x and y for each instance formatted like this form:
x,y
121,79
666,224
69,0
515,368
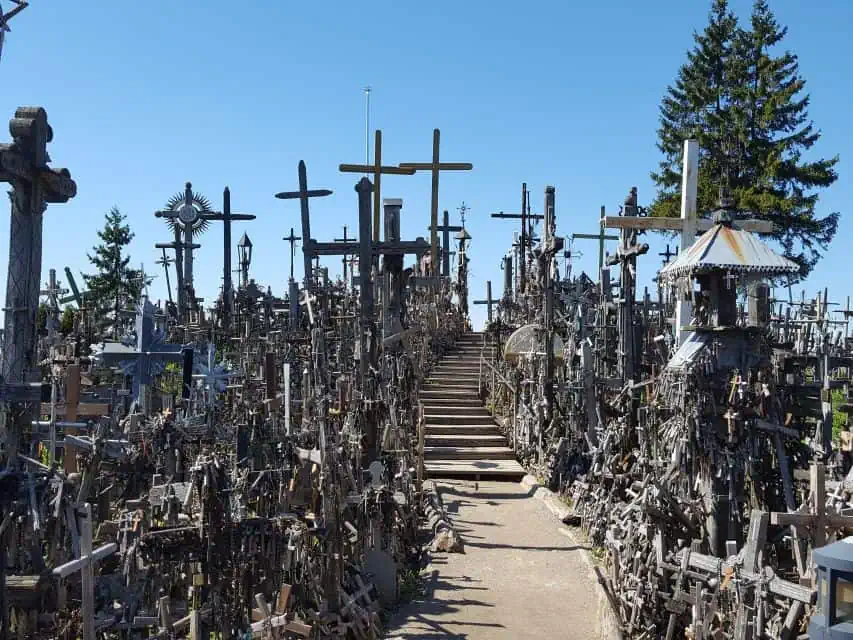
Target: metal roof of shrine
x,y
725,248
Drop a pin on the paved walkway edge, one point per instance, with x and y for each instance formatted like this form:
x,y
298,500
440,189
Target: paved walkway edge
x,y
608,624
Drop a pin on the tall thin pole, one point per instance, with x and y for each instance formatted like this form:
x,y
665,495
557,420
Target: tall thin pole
x,y
367,126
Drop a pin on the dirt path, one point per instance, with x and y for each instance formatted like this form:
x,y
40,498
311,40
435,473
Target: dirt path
x,y
519,577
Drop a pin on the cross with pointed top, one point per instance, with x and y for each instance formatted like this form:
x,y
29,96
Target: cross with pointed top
x,y
303,195
292,240
435,167
377,170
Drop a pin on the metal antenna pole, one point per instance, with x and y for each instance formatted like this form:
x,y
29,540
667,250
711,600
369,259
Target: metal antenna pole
x,y
367,90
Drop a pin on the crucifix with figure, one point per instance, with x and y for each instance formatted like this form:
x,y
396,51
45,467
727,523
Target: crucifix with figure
x,y
435,167
377,170
24,165
525,216
303,195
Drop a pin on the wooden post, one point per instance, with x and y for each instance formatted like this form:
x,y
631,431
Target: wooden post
x,y
689,188
87,573
72,399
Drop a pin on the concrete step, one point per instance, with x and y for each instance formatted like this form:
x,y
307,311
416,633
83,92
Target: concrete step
x,y
451,378
455,418
461,367
469,453
454,409
461,429
508,470
464,440
456,385
453,402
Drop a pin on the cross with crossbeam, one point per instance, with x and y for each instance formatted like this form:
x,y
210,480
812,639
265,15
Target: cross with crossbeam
x,y
489,302
377,170
292,240
601,237
525,216
435,167
303,195
347,240
445,229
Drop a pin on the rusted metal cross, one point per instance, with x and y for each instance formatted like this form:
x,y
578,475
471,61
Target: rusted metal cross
x,y
435,167
377,170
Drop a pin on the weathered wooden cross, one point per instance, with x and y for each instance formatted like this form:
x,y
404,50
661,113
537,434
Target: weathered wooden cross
x,y
303,195
601,237
489,302
525,216
445,229
227,217
435,167
24,165
377,170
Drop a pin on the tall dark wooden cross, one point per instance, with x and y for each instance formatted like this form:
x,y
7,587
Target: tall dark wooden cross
x,y
445,229
377,170
489,301
303,195
601,237
292,240
525,216
435,167
344,259
24,165
227,218
178,245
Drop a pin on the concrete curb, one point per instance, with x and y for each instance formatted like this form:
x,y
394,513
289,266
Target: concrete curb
x,y
608,624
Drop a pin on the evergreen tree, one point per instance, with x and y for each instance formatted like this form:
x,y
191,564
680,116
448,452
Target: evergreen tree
x,y
745,105
66,321
115,286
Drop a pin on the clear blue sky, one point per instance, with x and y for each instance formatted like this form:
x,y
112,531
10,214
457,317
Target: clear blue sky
x,y
144,96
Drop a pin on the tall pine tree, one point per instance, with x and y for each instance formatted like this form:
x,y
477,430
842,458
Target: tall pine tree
x,y
745,104
115,286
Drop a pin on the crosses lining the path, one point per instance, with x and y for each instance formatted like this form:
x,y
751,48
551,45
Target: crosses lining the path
x,y
377,170
435,167
303,195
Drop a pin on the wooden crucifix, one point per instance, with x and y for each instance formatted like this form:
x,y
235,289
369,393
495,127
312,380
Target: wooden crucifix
x,y
489,302
24,165
227,218
377,170
525,216
435,167
445,229
601,237
303,195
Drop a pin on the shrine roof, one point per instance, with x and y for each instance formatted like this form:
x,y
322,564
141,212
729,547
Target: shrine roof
x,y
724,248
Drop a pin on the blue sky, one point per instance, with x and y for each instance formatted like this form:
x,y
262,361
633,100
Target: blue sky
x,y
144,96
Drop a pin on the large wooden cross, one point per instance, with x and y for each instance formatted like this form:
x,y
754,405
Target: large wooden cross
x,y
687,225
303,195
24,165
601,237
525,216
377,170
227,217
489,301
435,167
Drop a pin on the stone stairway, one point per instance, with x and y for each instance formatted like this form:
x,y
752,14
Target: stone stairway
x,y
462,439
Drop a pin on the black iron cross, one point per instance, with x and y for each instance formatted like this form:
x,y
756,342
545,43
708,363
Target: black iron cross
x,y
303,194
668,254
435,167
292,240
488,301
524,216
377,170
